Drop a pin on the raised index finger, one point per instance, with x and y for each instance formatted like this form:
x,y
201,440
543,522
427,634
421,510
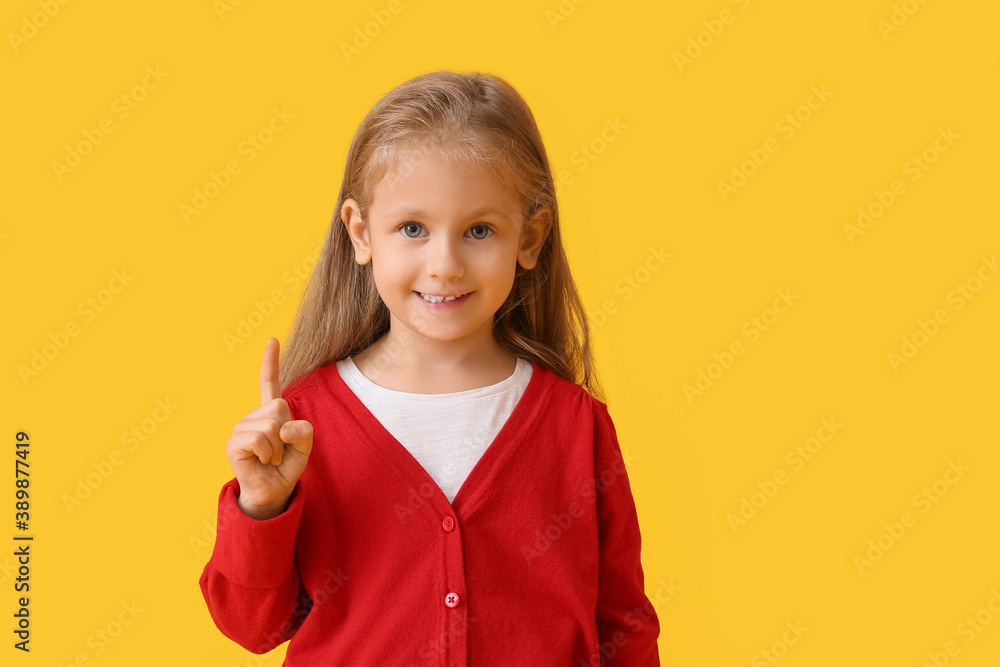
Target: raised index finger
x,y
270,388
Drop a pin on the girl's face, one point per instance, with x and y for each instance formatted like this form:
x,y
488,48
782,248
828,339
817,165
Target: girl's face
x,y
437,229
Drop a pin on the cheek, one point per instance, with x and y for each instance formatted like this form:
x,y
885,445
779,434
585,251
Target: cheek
x,y
390,268
499,274
386,276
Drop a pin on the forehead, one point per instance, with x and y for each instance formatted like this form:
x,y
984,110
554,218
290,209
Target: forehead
x,y
429,179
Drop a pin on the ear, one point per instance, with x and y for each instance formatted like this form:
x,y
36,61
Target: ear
x,y
350,213
533,236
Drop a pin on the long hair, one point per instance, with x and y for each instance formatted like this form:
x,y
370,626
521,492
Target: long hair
x,y
479,119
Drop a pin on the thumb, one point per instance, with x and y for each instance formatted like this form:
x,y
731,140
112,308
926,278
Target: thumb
x,y
298,433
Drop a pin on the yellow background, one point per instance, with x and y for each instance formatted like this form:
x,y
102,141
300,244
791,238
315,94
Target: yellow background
x,y
144,534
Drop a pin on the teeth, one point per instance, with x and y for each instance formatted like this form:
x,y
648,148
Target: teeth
x,y
437,299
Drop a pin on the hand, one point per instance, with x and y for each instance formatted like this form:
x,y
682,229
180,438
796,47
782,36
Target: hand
x,y
268,449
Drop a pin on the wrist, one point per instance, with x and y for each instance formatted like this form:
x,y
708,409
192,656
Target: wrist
x,y
261,512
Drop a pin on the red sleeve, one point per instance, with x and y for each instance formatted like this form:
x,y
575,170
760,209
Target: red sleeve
x,y
627,625
251,583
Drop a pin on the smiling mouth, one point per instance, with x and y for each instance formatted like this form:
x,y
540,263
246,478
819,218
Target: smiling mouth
x,y
434,298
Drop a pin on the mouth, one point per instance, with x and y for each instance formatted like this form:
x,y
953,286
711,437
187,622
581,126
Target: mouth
x,y
441,298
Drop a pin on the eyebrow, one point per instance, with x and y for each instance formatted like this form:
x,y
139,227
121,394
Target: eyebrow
x,y
423,214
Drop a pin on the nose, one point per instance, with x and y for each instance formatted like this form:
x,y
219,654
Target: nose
x,y
444,260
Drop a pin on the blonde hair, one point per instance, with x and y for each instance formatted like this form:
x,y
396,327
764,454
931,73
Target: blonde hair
x,y
479,119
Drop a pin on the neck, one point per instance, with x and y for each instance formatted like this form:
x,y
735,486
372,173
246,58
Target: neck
x,y
405,361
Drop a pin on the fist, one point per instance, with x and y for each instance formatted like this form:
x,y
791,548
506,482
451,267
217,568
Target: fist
x,y
268,449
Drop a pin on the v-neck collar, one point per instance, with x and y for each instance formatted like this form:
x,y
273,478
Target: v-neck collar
x,y
413,476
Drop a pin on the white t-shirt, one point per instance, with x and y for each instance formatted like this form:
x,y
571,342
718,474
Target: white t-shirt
x,y
445,433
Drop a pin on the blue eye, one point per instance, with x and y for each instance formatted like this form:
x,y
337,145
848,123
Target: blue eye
x,y
486,230
406,225
415,227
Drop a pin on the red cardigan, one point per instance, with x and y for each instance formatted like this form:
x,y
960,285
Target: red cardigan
x,y
536,562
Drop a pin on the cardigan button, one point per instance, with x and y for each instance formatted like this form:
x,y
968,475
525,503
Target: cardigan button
x,y
448,523
451,600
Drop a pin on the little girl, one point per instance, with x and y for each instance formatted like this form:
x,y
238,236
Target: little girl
x,y
465,500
